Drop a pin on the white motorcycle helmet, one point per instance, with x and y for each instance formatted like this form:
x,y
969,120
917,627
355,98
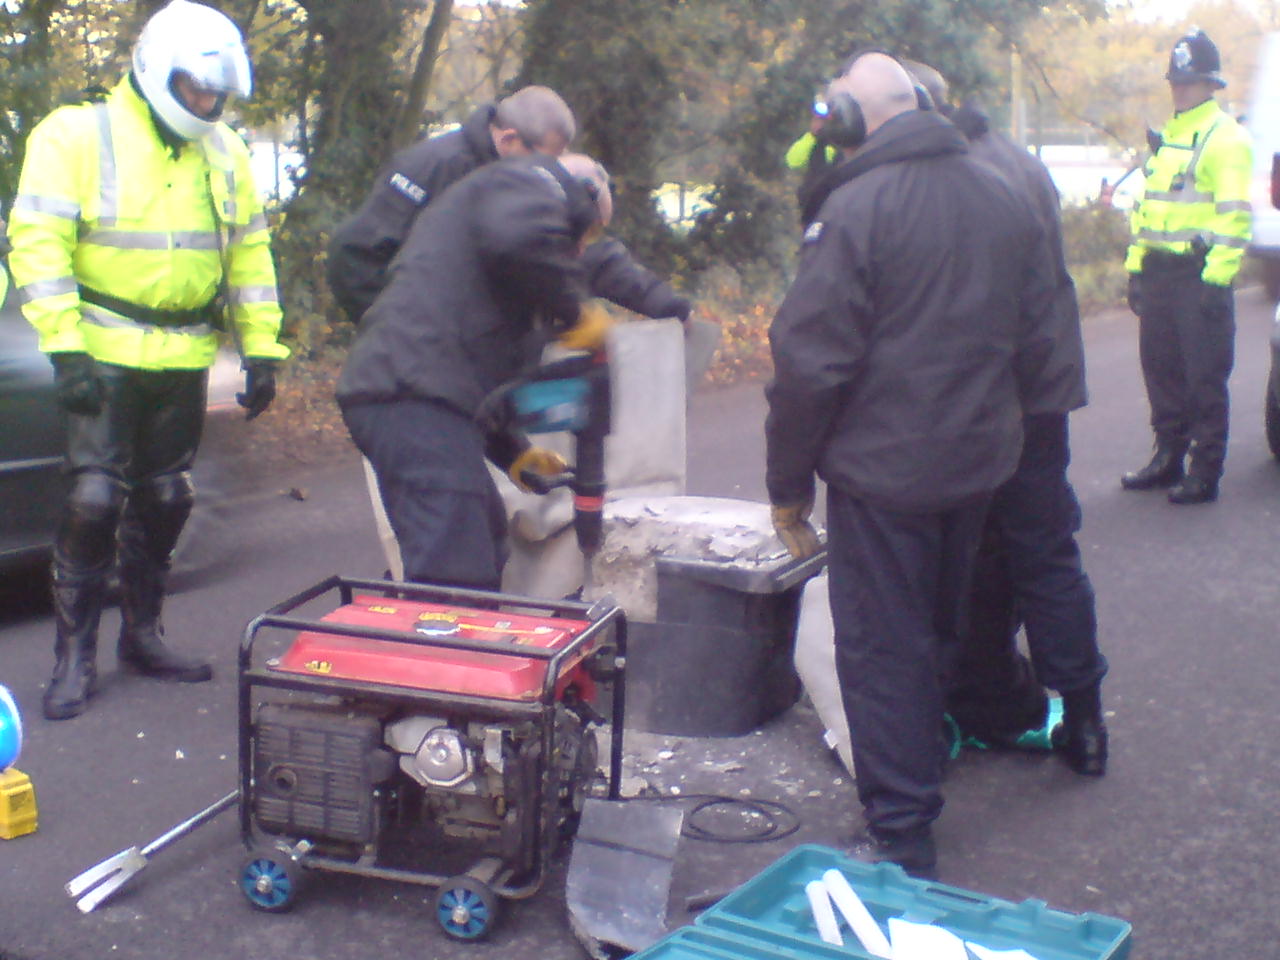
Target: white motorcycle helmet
x,y
190,38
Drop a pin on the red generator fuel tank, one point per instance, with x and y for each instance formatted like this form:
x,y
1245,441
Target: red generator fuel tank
x,y
408,657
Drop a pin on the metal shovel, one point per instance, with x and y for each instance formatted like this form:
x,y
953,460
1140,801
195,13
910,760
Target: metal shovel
x,y
101,881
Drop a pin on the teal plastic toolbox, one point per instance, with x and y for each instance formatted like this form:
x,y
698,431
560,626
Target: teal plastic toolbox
x,y
708,943
772,910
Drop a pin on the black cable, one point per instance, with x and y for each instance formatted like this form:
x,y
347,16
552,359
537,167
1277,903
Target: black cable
x,y
780,821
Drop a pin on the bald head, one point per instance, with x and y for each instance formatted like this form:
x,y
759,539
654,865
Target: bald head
x,y
930,79
881,86
588,170
533,118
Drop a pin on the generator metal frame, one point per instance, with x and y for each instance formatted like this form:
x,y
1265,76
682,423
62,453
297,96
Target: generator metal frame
x,y
600,616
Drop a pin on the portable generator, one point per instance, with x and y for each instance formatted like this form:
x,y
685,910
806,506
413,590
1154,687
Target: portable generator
x,y
428,735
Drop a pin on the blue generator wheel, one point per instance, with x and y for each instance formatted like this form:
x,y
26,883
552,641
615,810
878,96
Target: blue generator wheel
x,y
269,880
466,908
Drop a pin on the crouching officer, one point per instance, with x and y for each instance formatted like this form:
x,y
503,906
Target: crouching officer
x,y
489,273
1190,231
533,119
131,214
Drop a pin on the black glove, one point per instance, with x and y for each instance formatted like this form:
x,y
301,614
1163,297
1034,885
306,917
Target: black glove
x,y
1135,293
259,387
680,308
1216,302
75,378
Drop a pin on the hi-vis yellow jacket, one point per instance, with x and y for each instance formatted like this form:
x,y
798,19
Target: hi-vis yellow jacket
x,y
102,203
1197,194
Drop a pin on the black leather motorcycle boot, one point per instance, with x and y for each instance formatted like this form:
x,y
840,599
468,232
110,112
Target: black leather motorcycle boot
x,y
1082,737
1194,489
142,580
77,607
1165,469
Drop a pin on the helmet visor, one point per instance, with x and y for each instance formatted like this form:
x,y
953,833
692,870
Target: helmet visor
x,y
223,71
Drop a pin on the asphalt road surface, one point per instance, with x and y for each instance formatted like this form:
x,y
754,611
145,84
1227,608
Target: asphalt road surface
x,y
1179,838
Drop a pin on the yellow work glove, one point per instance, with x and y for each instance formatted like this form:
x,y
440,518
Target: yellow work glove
x,y
539,460
589,332
791,523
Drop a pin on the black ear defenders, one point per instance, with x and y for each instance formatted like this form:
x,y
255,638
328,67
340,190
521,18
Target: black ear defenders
x,y
846,127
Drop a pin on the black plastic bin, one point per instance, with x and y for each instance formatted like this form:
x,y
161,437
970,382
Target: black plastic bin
x,y
719,660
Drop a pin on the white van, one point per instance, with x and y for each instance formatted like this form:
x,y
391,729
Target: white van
x,y
1263,122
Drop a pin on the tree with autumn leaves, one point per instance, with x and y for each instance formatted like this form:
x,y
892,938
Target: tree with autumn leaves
x,y
705,93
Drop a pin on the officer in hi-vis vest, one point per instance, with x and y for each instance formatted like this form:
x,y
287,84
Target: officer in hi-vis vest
x,y
1190,232
133,215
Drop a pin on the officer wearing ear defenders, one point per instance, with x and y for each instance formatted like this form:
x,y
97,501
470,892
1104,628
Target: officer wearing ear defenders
x,y
842,129
1190,232
489,274
903,354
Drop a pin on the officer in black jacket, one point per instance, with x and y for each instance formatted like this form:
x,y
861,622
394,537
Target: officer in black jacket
x,y
532,118
487,276
1029,568
904,352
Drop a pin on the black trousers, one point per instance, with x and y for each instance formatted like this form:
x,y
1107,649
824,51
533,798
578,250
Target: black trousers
x,y
899,590
1187,353
447,515
1029,573
131,459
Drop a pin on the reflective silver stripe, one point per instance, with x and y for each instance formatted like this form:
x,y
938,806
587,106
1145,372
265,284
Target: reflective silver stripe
x,y
1169,236
1230,206
101,318
219,143
231,196
196,240
1189,184
1223,240
1180,196
257,222
41,289
255,294
152,240
108,187
52,206
1189,235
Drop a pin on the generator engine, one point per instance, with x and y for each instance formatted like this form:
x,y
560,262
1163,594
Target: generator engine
x,y
406,730
340,776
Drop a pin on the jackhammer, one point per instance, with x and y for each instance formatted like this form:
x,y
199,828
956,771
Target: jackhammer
x,y
571,394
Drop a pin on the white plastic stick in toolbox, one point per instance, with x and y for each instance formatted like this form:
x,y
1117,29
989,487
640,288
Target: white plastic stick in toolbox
x,y
857,915
823,916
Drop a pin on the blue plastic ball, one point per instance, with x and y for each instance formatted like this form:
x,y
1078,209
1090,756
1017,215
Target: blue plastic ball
x,y
10,729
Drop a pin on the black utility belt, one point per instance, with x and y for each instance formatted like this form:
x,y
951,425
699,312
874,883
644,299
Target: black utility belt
x,y
210,313
1158,261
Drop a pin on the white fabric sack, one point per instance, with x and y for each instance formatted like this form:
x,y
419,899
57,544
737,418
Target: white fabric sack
x,y
816,664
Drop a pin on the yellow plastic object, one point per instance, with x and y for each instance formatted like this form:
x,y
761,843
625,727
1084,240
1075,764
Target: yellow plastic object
x,y
17,804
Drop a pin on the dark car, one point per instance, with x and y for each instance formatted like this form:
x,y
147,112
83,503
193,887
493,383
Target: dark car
x,y
32,482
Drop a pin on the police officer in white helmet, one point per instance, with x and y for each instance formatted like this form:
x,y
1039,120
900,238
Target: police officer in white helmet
x,y
137,235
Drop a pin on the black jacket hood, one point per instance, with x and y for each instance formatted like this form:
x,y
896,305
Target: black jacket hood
x,y
915,134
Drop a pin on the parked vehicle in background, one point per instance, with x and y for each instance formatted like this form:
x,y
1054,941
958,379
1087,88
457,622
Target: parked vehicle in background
x,y
1263,123
32,484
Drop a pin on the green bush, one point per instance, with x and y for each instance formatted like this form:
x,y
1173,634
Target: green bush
x,y
1094,240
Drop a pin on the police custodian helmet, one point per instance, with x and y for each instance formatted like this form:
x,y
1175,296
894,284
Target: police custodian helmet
x,y
1195,58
